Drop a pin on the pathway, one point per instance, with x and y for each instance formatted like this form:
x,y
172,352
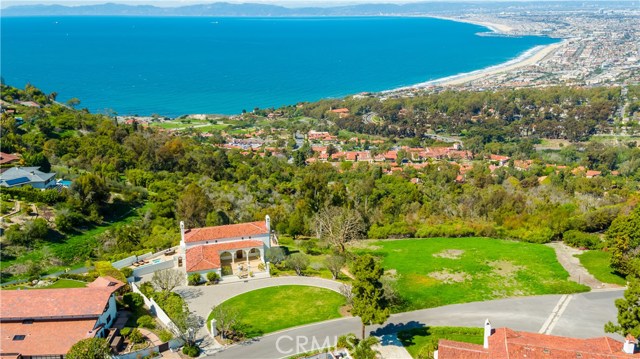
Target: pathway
x,y
577,273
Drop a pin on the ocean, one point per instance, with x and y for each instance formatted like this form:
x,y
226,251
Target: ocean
x,y
180,65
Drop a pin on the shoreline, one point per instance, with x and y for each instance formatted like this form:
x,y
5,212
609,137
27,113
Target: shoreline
x,y
527,58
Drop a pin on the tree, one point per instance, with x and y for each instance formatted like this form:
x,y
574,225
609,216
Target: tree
x,y
91,348
226,317
193,206
133,300
298,262
90,190
623,238
167,280
338,225
187,325
369,302
275,255
334,264
73,102
628,311
364,350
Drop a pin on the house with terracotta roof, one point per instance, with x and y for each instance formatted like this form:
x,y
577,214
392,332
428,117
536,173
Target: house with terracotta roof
x,y
46,323
504,343
231,250
6,158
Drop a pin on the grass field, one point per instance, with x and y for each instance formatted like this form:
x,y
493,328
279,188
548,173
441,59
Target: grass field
x,y
275,308
425,339
441,271
60,283
597,263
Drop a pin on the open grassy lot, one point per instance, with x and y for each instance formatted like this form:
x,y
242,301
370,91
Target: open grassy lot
x,y
60,283
597,263
425,340
440,271
275,308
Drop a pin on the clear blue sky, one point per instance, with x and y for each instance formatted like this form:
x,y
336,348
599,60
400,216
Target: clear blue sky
x,y
6,3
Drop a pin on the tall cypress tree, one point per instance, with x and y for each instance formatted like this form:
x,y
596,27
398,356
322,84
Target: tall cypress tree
x,y
368,296
628,311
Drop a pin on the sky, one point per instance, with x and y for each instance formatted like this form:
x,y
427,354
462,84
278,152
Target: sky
x,y
293,3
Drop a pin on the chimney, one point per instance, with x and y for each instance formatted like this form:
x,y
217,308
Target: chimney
x,y
629,344
182,244
267,222
487,333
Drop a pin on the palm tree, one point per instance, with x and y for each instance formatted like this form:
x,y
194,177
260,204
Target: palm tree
x,y
364,349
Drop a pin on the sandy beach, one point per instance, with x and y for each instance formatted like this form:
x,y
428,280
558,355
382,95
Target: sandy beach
x,y
532,59
499,28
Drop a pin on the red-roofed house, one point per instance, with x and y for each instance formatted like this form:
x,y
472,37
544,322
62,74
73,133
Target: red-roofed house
x,y
6,158
46,323
234,249
504,343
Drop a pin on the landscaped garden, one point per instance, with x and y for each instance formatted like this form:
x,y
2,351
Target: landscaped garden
x,y
421,342
597,262
270,309
441,271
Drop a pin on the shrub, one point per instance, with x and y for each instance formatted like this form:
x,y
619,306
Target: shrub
x,y
146,321
133,300
394,230
125,331
165,335
127,272
456,229
80,277
136,336
194,279
347,341
579,239
191,350
226,270
213,277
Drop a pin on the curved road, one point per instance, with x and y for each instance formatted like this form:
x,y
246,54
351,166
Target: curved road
x,y
576,315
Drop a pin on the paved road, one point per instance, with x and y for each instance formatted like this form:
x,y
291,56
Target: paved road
x,y
578,315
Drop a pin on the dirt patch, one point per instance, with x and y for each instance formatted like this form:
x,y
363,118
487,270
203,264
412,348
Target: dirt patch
x,y
449,253
345,311
505,268
449,277
422,280
391,272
364,245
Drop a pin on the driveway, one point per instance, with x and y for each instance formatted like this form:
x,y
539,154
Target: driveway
x,y
578,315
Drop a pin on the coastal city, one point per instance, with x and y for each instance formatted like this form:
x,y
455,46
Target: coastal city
x,y
491,214
596,47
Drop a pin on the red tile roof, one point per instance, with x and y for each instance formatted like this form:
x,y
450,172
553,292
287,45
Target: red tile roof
x,y
207,256
44,338
506,343
7,158
58,303
228,231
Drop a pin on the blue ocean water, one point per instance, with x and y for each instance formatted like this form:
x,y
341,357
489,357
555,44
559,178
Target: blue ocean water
x,y
179,65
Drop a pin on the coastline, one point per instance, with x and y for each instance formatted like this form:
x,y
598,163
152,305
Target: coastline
x,y
527,58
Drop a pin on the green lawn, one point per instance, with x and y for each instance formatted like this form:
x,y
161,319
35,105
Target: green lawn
x,y
441,271
270,309
425,339
60,283
597,263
